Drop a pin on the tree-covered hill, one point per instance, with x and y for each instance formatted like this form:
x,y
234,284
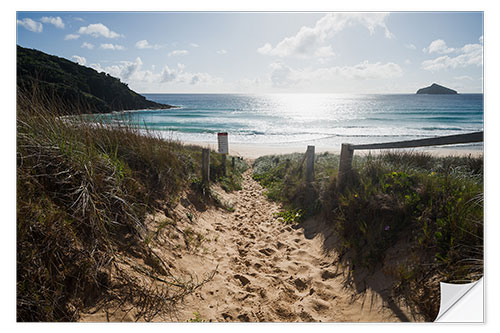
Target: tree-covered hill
x,y
78,89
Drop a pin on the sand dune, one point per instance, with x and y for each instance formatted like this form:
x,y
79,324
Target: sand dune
x,y
272,272
265,270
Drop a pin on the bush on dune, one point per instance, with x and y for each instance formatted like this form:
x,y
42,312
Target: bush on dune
x,y
83,190
436,203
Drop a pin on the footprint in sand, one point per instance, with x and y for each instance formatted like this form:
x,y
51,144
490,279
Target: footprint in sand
x,y
279,245
226,316
257,265
306,317
220,229
267,251
325,275
300,284
244,317
319,305
244,281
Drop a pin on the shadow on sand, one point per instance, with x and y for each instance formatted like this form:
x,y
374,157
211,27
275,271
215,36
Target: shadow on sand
x,y
358,278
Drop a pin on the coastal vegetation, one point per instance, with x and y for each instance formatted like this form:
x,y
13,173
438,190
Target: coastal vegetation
x,y
431,208
76,89
83,193
85,190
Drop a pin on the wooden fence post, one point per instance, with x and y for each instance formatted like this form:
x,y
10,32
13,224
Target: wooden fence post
x,y
347,151
205,166
232,162
345,165
310,164
224,165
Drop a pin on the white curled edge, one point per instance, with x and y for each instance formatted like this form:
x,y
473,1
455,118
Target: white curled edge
x,y
461,303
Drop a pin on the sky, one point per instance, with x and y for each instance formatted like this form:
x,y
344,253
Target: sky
x,y
267,52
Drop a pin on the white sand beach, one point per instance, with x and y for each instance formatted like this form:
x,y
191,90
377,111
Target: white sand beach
x,y
253,150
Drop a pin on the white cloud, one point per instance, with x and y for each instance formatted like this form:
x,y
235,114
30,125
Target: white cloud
x,y
108,46
194,45
463,77
178,75
324,52
168,74
308,39
246,85
178,53
407,62
87,45
56,21
71,36
81,60
132,72
125,70
410,46
438,46
144,44
130,68
469,55
266,49
97,67
481,39
98,29
284,76
222,51
366,70
30,25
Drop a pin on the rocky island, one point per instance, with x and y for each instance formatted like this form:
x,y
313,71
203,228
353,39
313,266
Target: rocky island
x,y
76,89
436,89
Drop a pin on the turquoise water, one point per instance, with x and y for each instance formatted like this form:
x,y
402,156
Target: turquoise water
x,y
323,119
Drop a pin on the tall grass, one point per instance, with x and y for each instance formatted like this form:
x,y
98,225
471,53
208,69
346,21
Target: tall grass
x,y
283,178
436,203
83,191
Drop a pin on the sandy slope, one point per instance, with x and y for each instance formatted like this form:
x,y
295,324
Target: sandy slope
x,y
266,270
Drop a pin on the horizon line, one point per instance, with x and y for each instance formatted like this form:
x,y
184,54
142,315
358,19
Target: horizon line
x,y
300,93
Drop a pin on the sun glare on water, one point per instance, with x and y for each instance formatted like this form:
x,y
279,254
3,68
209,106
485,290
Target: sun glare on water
x,y
309,107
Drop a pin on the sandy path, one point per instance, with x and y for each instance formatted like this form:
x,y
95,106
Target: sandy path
x,y
268,271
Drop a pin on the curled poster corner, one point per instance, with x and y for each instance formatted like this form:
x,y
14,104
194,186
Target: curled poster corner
x,y
461,303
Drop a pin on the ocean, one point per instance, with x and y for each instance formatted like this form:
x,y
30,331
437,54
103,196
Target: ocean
x,y
316,119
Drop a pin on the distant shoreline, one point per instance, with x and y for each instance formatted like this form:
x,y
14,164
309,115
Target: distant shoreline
x,y
255,150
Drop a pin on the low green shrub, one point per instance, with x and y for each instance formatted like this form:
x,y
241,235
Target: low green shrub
x,y
433,202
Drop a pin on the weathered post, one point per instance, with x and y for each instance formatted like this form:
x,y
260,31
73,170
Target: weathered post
x,y
224,164
232,162
310,164
345,165
223,149
205,166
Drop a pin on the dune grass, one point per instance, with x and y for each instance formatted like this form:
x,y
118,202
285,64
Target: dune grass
x,y
83,191
435,203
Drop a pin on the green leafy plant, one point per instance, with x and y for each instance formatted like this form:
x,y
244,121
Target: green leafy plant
x,y
290,216
197,318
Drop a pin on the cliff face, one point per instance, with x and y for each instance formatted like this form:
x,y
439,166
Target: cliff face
x,y
436,89
75,88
